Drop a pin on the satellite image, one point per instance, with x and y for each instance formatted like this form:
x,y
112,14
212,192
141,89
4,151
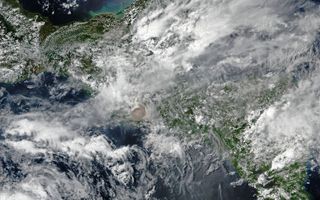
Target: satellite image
x,y
159,99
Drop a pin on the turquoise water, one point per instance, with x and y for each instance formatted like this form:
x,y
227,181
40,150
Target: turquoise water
x,y
59,15
112,6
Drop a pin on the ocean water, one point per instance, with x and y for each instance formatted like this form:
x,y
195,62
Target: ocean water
x,y
103,160
59,143
65,11
313,181
112,6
